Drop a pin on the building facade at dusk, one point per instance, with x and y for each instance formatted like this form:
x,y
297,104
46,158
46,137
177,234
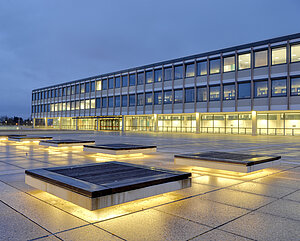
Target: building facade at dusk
x,y
248,89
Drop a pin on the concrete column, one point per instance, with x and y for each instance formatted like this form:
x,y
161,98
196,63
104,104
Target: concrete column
x,y
198,122
97,128
123,123
46,124
155,122
33,122
254,123
76,124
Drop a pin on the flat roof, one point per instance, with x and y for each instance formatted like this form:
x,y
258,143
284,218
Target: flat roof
x,y
238,47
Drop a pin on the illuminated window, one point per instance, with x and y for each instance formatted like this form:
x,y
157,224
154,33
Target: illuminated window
x,y
124,100
82,88
68,105
132,79
168,73
98,103
157,98
69,89
190,70
189,95
111,83
82,105
132,100
140,99
244,61
168,97
229,64
87,104
279,56
104,102
104,84
141,78
229,92
98,85
279,87
148,98
201,94
92,103
110,101
64,106
261,58
260,89
157,75
77,106
214,93
214,66
244,90
117,82
178,72
178,98
73,105
124,80
117,101
202,68
149,77
295,53
295,86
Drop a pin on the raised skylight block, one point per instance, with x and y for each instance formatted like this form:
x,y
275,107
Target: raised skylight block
x,y
65,143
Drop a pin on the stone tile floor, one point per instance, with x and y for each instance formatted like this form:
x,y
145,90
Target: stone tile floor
x,y
219,205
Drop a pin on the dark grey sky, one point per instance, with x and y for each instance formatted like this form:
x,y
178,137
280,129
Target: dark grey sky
x,y
48,42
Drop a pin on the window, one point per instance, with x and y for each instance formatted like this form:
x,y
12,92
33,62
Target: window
x,y
279,87
56,92
117,101
295,53
178,96
132,100
98,102
81,105
77,105
52,93
87,87
110,101
82,88
178,72
214,93
124,80
201,94
157,98
295,86
69,89
98,85
202,68
149,77
93,86
168,97
104,102
63,91
92,103
229,92
117,82
260,89
168,73
49,93
87,104
59,92
111,83
189,95
132,80
148,98
124,100
261,58
140,99
73,105
229,64
279,56
157,75
104,84
244,61
141,78
244,90
190,70
214,66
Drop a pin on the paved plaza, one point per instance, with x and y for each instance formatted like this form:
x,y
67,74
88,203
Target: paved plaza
x,y
220,205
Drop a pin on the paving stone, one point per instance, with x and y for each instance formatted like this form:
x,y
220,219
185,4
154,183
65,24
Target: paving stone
x,y
293,196
217,235
275,180
152,225
261,226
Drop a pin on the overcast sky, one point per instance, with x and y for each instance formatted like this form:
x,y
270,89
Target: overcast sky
x,y
49,42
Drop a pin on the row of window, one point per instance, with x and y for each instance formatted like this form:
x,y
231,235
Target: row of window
x,y
212,93
213,66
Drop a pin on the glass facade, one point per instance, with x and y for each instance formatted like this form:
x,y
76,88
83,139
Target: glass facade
x,y
189,95
148,98
178,96
140,99
131,100
157,75
117,101
244,61
202,68
279,56
261,58
104,84
214,66
278,87
295,86
124,100
295,53
132,79
141,78
229,64
168,73
214,93
190,70
168,97
158,98
201,94
149,77
110,83
260,89
110,101
117,82
124,81
178,72
229,92
244,90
